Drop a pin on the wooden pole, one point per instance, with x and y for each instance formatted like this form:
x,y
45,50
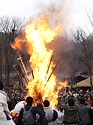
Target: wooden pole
x,y
53,70
23,68
49,66
32,74
32,71
18,75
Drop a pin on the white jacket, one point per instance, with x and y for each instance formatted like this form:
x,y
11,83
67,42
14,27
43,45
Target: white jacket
x,y
60,116
4,107
49,114
18,106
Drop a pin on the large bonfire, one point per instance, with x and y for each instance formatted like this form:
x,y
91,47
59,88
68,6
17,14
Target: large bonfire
x,y
43,85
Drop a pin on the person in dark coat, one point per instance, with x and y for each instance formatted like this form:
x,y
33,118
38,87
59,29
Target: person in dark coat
x,y
70,111
35,110
91,113
83,112
41,107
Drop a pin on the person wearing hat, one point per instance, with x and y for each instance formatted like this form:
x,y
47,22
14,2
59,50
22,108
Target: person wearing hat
x,y
5,118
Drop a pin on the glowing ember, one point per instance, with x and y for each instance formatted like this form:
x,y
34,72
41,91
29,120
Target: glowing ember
x,y
38,35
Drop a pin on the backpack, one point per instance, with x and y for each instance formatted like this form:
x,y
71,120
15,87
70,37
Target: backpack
x,y
27,117
55,115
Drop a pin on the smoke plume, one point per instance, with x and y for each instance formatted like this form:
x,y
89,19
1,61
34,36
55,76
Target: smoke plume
x,y
56,12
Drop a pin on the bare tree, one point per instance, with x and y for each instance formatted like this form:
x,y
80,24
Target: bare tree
x,y
72,61
84,44
9,29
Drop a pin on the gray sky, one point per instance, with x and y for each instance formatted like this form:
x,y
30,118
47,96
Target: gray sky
x,y
68,13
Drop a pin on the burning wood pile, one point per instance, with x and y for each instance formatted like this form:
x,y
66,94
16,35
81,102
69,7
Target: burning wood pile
x,y
42,83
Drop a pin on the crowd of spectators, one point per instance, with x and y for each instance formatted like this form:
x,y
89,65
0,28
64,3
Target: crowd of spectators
x,y
73,108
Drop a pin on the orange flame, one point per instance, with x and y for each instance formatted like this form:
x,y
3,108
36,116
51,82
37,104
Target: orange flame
x,y
37,35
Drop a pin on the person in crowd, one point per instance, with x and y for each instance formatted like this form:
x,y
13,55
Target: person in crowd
x,y
83,112
70,109
15,112
90,97
12,102
49,112
41,107
59,120
35,110
91,113
5,118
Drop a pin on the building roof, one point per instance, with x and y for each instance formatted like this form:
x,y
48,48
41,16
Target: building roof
x,y
84,83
